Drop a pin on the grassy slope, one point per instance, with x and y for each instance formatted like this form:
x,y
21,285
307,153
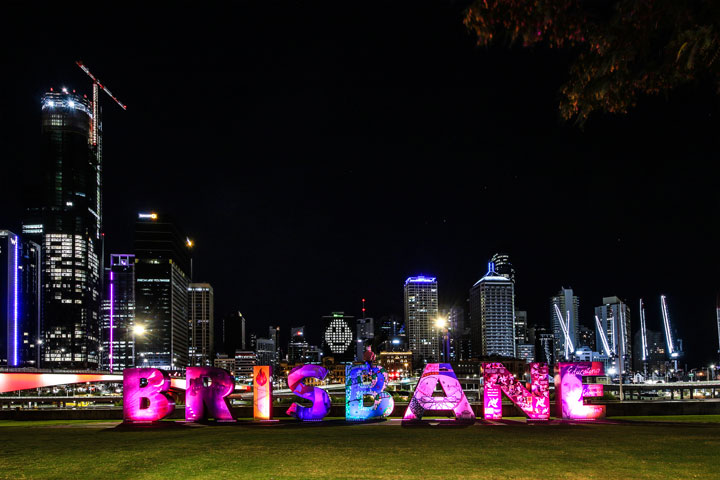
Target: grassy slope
x,y
295,451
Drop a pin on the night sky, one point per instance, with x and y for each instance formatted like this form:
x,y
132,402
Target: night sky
x,y
320,154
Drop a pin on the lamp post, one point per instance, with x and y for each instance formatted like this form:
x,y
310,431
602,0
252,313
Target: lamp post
x,y
39,347
136,331
441,324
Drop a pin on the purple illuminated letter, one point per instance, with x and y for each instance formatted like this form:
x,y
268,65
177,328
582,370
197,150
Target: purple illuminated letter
x,y
205,394
424,401
319,397
534,403
144,398
570,391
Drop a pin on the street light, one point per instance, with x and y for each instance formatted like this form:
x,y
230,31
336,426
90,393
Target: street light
x,y
136,330
39,343
441,324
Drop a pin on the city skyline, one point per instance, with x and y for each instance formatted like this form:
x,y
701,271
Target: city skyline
x,y
281,220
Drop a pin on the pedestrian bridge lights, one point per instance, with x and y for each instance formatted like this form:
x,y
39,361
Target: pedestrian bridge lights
x,y
146,399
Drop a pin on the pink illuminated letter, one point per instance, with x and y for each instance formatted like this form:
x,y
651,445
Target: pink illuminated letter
x,y
319,397
424,401
205,394
144,398
534,403
570,391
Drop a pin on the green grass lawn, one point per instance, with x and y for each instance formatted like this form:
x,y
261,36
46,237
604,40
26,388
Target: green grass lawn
x,y
334,450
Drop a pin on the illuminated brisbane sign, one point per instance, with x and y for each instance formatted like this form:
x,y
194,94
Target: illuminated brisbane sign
x,y
146,393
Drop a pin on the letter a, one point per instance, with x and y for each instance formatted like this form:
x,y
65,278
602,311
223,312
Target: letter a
x,y
144,397
205,394
424,401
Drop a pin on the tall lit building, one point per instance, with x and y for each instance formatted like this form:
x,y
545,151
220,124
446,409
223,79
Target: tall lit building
x,y
201,344
266,351
339,336
162,266
421,312
64,217
568,304
118,314
492,314
244,362
20,339
614,317
521,327
297,346
503,267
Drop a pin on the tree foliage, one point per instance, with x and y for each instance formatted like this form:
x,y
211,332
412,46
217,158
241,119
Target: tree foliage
x,y
622,49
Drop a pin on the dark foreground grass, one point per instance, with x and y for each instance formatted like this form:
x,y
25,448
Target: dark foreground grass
x,y
371,451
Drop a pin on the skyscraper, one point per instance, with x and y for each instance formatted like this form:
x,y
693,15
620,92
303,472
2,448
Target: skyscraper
x,y
339,337
421,312
492,314
20,339
568,304
266,351
162,263
614,317
297,346
64,217
503,267
118,314
201,346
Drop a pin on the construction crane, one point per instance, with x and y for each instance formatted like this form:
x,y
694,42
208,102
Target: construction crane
x,y
643,335
603,337
668,331
569,347
97,85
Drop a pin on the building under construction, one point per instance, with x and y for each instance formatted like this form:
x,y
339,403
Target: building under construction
x,y
64,217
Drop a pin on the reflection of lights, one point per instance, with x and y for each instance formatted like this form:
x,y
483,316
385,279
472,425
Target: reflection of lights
x,y
138,330
440,322
612,370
